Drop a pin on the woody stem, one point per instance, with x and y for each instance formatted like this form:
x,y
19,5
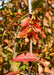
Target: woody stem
x,y
29,7
30,43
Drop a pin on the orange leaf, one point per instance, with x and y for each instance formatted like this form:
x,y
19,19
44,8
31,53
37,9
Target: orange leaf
x,y
6,41
15,24
23,33
51,54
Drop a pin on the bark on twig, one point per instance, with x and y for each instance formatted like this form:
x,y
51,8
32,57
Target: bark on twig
x,y
29,7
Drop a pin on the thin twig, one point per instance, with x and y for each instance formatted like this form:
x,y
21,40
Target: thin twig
x,y
15,34
12,22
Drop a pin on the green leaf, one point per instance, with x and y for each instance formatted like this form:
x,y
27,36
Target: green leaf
x,y
23,67
0,35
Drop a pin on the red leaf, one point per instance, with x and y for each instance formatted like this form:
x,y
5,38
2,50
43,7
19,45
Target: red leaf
x,y
37,51
13,73
26,57
37,27
29,34
15,24
6,41
23,33
34,35
25,22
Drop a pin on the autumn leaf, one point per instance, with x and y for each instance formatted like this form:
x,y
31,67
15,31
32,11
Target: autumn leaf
x,y
15,24
51,54
23,33
6,41
25,22
13,73
1,61
37,51
26,58
11,13
37,28
34,41
34,38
